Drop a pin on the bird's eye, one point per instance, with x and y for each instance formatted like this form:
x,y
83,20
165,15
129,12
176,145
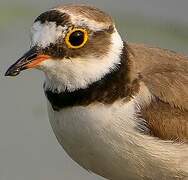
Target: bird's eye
x,y
76,38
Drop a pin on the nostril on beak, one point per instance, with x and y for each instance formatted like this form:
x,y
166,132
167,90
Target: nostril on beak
x,y
33,56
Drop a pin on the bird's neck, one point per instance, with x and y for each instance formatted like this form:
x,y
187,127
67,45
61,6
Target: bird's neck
x,y
114,85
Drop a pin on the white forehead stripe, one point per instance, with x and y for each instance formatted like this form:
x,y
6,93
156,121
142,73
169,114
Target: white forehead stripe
x,y
49,32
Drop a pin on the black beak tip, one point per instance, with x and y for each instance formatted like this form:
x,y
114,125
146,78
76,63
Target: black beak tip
x,y
12,72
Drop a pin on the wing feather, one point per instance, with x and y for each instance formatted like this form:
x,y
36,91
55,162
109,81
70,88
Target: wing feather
x,y
165,74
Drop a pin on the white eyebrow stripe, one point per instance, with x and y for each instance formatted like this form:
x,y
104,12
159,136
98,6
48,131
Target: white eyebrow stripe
x,y
91,24
81,21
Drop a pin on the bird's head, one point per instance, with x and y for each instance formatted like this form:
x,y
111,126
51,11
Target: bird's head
x,y
75,45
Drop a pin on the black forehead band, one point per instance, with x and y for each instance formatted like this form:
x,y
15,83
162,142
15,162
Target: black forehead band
x,y
61,19
54,16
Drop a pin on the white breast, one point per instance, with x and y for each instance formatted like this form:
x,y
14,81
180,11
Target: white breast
x,y
105,140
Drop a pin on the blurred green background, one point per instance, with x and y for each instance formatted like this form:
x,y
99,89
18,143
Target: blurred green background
x,y
28,147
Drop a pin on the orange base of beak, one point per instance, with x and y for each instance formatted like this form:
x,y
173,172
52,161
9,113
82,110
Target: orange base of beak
x,y
35,62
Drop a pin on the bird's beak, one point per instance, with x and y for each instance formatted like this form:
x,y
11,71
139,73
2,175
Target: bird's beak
x,y
30,59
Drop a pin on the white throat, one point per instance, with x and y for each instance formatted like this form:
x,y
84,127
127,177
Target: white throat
x,y
77,73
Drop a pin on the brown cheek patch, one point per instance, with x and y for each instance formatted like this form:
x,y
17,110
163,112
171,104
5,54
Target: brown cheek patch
x,y
98,45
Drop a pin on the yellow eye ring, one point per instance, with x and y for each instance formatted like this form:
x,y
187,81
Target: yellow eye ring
x,y
76,38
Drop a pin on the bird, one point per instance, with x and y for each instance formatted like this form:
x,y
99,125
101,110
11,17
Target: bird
x,y
118,109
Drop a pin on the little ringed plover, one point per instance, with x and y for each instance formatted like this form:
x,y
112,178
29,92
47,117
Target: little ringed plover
x,y
118,109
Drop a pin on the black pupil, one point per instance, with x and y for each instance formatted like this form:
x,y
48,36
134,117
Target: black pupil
x,y
76,38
